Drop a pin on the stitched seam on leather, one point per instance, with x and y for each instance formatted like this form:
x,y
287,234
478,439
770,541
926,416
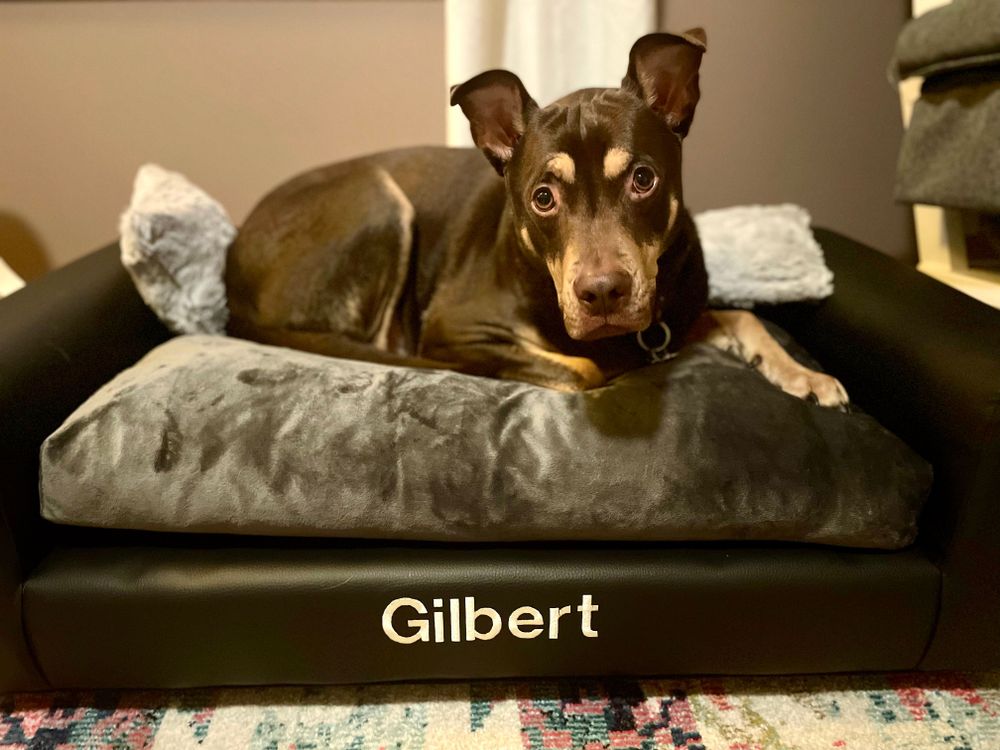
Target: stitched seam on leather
x,y
936,621
6,522
29,644
992,430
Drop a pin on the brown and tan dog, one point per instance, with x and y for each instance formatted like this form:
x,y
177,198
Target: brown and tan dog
x,y
425,257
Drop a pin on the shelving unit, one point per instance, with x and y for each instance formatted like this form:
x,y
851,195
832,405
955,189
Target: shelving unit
x,y
941,232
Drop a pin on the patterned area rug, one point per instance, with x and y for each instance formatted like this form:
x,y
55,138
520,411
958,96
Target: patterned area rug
x,y
894,712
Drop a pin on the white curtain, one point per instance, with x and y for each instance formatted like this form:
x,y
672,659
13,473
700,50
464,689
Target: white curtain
x,y
555,46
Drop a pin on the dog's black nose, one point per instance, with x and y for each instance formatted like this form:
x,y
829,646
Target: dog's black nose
x,y
603,293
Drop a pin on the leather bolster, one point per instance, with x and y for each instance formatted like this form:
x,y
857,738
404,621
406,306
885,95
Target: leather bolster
x,y
60,338
924,360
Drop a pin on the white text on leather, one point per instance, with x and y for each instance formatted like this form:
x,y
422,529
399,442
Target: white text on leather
x,y
414,622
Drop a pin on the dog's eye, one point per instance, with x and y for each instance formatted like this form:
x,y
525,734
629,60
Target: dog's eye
x,y
643,179
543,200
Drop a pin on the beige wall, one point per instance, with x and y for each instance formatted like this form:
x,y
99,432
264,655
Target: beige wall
x,y
796,106
239,95
236,95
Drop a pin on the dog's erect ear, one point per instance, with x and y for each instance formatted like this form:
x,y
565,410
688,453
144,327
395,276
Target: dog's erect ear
x,y
497,106
663,70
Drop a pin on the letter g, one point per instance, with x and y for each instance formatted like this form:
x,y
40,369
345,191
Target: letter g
x,y
423,630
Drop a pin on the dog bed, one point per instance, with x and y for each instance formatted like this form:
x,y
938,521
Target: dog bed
x,y
212,434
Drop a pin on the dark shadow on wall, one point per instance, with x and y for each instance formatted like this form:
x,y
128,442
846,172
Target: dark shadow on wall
x,y
906,251
21,247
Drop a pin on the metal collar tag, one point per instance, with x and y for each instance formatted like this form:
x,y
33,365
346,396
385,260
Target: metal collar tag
x,y
659,352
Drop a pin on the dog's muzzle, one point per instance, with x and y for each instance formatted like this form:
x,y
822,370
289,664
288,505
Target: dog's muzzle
x,y
603,294
603,303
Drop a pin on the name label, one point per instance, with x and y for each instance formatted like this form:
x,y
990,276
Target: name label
x,y
407,620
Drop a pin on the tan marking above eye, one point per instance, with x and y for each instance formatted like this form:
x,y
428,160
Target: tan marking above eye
x,y
563,167
615,161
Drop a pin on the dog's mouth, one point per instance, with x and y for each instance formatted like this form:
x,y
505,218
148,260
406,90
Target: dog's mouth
x,y
595,327
604,331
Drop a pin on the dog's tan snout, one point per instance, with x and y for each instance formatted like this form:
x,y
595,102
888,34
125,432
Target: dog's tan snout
x,y
603,291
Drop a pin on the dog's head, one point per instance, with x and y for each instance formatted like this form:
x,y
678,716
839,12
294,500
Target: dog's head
x,y
594,179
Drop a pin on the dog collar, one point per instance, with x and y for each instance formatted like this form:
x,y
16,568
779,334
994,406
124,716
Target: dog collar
x,y
657,352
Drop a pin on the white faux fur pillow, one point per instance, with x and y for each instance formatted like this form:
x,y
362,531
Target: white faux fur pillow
x,y
762,255
173,241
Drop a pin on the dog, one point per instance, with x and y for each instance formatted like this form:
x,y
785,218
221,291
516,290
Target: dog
x,y
563,259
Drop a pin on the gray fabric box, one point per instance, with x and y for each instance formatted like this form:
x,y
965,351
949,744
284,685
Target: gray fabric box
x,y
950,154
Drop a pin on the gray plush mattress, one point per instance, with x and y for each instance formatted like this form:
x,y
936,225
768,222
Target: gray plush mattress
x,y
210,434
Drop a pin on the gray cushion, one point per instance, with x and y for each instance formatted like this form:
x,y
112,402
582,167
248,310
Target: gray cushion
x,y
948,156
211,434
961,35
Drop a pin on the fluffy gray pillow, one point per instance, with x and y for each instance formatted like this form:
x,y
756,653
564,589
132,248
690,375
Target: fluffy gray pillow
x,y
210,434
173,242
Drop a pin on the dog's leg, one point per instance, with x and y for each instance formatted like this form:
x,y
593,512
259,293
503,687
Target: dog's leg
x,y
332,344
511,351
509,360
556,371
325,272
742,334
539,367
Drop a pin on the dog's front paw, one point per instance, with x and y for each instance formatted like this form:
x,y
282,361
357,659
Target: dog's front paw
x,y
559,372
577,374
817,387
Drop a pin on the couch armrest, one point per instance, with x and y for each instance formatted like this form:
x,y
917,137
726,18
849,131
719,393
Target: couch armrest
x,y
924,360
60,338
